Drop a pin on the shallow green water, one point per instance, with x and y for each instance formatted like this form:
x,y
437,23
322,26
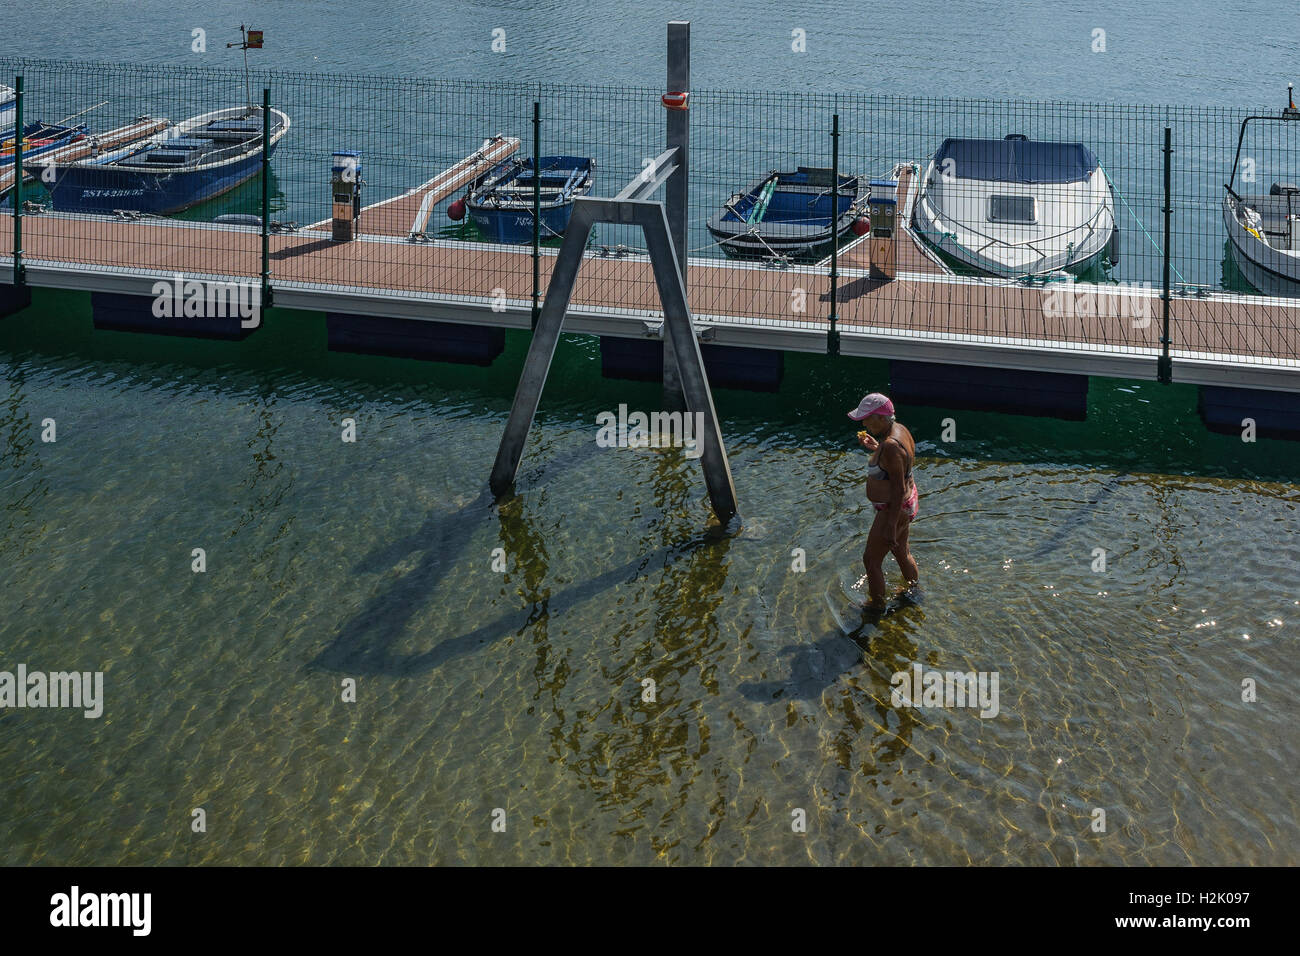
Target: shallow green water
x,y
522,690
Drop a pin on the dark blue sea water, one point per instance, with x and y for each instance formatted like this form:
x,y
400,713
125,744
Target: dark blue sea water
x,y
1157,51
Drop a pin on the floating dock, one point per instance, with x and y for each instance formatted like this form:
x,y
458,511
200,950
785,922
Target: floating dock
x,y
923,315
1219,338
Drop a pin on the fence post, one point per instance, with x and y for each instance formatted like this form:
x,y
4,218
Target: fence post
x,y
1164,369
266,197
833,336
18,182
537,211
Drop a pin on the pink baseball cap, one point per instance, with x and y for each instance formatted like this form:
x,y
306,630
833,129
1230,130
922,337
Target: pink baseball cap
x,y
873,404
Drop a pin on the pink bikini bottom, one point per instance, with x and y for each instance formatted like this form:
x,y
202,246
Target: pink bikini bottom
x,y
910,507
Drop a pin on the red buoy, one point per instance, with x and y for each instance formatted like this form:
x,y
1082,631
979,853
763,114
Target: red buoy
x,y
456,211
861,226
675,101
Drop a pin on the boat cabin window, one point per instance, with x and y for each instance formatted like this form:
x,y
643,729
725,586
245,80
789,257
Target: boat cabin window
x,y
1016,209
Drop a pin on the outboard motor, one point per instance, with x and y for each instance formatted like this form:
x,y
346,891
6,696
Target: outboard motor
x,y
1292,227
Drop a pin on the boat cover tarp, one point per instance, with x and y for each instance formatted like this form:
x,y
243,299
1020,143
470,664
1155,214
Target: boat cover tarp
x,y
1016,161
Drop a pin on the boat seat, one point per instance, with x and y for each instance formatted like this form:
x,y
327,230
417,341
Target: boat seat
x,y
177,152
168,157
232,130
817,175
232,136
1283,189
188,142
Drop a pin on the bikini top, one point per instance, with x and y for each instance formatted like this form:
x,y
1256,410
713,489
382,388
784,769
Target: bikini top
x,y
875,471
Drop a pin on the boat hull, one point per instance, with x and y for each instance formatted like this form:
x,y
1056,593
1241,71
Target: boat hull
x,y
515,226
800,250
1093,268
104,187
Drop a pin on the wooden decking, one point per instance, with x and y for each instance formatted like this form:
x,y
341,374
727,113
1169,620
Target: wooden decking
x,y
923,301
911,257
408,214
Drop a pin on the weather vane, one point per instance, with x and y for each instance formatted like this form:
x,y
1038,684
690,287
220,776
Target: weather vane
x,y
252,40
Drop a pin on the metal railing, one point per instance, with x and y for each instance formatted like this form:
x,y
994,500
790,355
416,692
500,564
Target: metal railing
x,y
1221,300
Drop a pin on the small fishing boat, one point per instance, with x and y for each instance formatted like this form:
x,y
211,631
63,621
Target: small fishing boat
x,y
38,138
181,167
1017,207
787,215
1264,229
501,203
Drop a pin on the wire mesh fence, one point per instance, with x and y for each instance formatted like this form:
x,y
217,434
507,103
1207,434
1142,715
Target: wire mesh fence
x,y
1042,223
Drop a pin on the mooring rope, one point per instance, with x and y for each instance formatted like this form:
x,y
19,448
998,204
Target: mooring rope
x,y
1136,219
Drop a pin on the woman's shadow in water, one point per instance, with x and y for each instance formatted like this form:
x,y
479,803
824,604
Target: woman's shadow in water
x,y
881,641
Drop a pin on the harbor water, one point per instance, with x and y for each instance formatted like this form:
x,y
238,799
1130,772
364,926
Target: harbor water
x,y
522,689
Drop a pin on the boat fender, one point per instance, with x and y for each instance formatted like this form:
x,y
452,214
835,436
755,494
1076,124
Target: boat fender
x,y
1113,253
1253,222
238,219
456,211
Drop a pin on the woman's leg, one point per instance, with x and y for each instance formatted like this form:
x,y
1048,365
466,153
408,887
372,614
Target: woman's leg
x,y
873,557
903,555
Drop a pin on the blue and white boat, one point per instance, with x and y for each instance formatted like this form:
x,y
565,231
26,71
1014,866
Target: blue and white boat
x,y
501,204
794,216
181,167
38,138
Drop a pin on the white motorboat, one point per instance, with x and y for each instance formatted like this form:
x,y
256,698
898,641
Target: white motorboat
x,y
1017,207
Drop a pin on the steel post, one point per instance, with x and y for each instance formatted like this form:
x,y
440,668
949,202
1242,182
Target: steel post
x,y
677,194
1164,368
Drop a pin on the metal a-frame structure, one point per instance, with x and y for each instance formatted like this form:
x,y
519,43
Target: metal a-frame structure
x,y
665,235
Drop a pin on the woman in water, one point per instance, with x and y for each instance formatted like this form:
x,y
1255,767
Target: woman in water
x,y
890,489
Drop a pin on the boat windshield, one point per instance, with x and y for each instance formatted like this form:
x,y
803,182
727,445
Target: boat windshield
x,y
1014,161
